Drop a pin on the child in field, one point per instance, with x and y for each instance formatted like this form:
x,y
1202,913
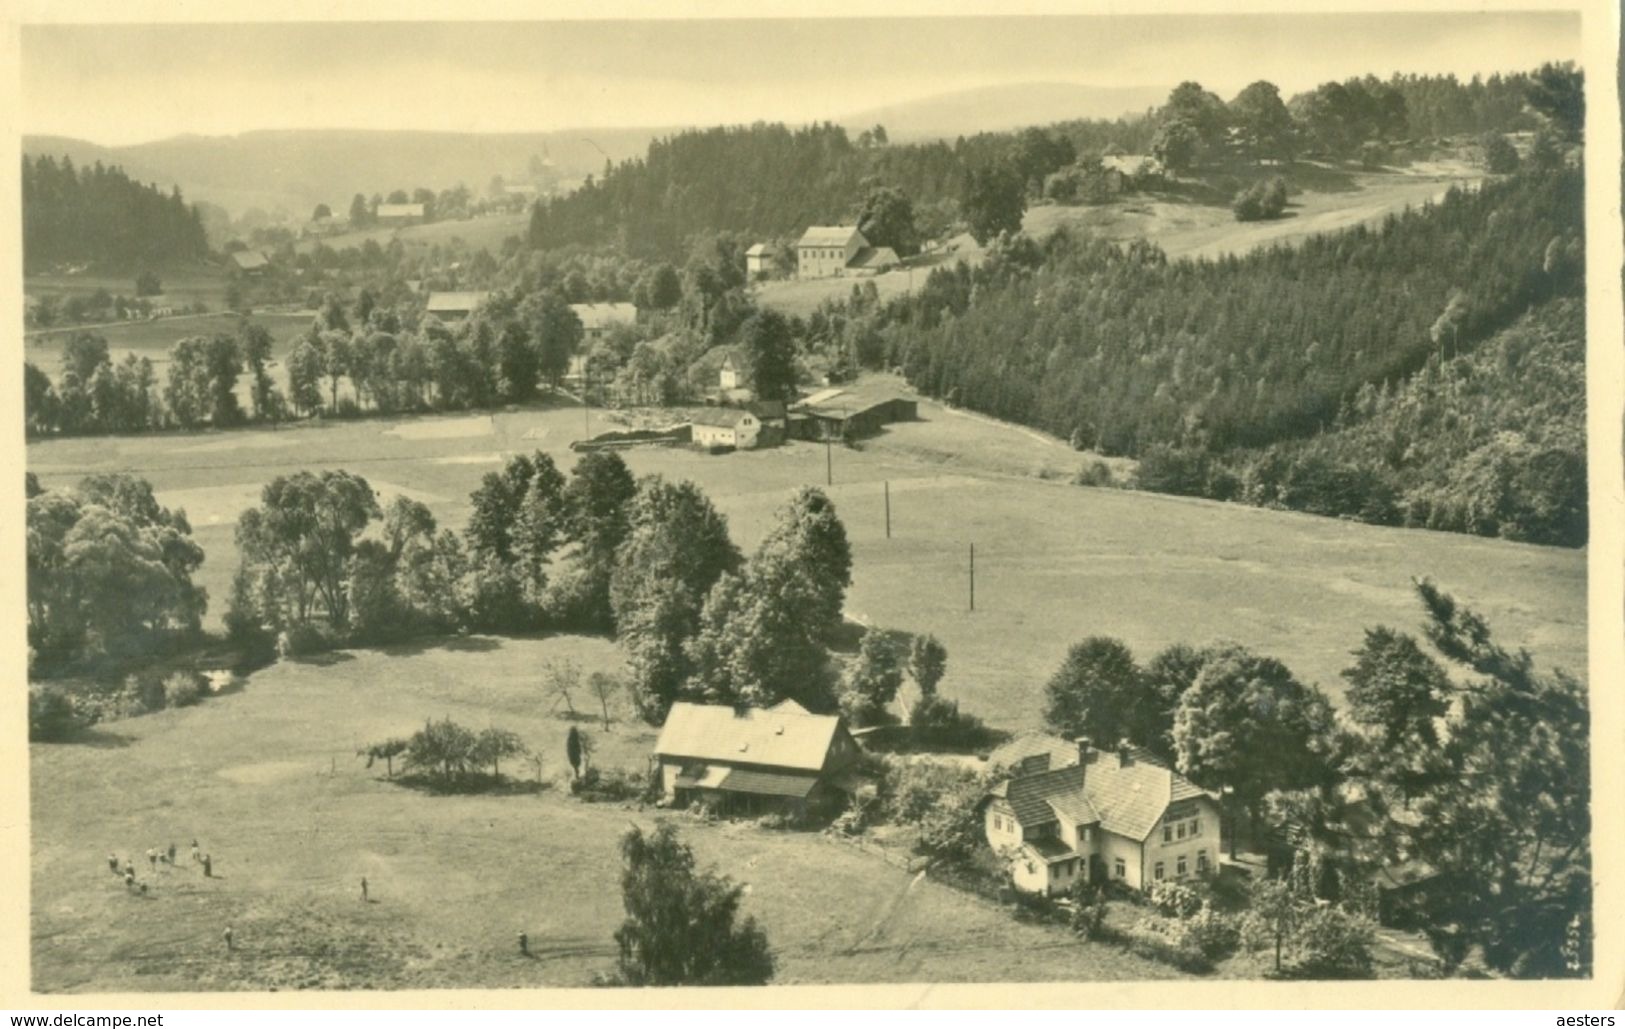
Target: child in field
x,y
129,879
197,855
172,853
152,858
363,889
112,862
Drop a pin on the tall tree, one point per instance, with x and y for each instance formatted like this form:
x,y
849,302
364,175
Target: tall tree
x,y
1264,125
886,219
682,925
1100,692
770,355
993,201
303,533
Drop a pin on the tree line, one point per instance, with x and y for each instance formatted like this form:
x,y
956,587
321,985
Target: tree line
x,y
100,216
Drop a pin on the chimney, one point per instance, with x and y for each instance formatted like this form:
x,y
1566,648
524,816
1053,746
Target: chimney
x,y
1125,754
1083,743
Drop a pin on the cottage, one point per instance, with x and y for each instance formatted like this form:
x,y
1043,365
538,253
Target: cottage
x,y
746,760
759,261
732,373
825,251
399,214
454,307
1129,171
1121,815
874,260
251,263
726,427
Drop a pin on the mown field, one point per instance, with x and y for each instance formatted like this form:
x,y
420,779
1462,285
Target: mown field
x,y
267,781
1054,562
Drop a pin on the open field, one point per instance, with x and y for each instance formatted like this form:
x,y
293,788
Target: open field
x,y
182,286
267,780
483,233
1191,230
153,337
1054,562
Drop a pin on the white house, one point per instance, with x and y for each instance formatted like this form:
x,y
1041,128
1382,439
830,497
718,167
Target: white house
x,y
726,427
732,373
824,251
759,261
1119,814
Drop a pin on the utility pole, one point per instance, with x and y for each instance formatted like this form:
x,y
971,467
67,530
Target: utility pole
x,y
888,509
829,459
973,577
586,405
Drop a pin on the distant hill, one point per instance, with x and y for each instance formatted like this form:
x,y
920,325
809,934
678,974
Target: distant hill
x,y
998,108
297,169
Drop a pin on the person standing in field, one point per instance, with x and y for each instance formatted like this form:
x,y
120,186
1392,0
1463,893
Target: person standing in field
x,y
208,867
129,879
152,858
112,862
172,853
197,855
363,889
227,935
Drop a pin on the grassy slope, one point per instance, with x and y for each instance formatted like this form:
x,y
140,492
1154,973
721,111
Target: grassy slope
x,y
486,233
1055,562
266,779
1322,202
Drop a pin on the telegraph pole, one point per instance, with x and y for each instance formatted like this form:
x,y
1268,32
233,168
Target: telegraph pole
x,y
829,459
973,577
888,509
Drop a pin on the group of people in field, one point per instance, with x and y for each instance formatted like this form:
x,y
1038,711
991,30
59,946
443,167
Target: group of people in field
x,y
125,867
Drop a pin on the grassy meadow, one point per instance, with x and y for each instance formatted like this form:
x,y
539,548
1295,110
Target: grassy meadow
x,y
1054,562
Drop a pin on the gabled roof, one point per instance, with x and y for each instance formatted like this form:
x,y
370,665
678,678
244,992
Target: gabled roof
x,y
723,417
780,737
1033,744
1124,798
248,260
874,257
830,236
602,316
459,301
761,250
400,210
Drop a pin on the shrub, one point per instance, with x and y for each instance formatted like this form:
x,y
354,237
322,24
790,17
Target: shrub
x,y
1262,200
1175,899
1155,940
936,722
1333,944
1209,932
183,689
1095,473
1088,911
51,714
304,639
148,691
612,785
1500,156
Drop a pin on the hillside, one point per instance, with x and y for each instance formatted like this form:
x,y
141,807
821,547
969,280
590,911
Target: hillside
x,y
297,169
1000,108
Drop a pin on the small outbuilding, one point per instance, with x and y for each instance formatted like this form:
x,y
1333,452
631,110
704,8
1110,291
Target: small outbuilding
x,y
726,427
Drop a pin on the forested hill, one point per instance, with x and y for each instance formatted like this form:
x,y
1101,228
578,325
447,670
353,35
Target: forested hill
x,y
1132,354
98,215
763,179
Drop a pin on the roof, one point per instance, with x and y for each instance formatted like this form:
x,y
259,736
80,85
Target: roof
x,y
1131,164
724,417
250,259
400,210
830,236
761,250
1048,848
776,784
462,301
873,257
602,316
1032,744
781,737
1126,799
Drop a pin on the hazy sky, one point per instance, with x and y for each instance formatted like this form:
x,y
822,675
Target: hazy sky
x,y
128,83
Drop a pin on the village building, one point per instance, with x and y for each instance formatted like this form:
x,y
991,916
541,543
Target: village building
x,y
598,319
455,306
825,251
398,214
732,373
1119,815
250,263
726,427
1129,171
749,761
848,412
874,260
759,260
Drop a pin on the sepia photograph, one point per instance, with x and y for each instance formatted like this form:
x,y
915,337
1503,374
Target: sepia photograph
x,y
809,501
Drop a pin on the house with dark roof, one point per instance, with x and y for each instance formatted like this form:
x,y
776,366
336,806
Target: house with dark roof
x,y
725,427
456,305
1119,814
250,262
750,760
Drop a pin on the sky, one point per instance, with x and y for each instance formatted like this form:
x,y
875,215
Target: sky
x,y
120,84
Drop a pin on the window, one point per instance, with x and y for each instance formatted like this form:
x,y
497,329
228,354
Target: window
x,y
1196,827
1201,861
1119,869
1158,871
1167,834
1181,869
1181,830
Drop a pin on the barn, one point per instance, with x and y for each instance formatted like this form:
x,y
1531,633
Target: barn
x,y
750,760
849,412
726,427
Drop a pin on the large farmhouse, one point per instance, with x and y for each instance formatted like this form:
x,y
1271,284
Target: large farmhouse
x,y
726,427
746,760
824,251
1118,814
455,306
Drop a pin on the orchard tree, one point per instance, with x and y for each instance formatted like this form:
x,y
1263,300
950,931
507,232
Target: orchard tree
x,y
682,926
927,663
874,678
305,367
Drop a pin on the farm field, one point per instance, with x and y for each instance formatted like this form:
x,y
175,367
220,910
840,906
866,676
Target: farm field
x,y
267,781
487,233
153,338
1055,562
182,286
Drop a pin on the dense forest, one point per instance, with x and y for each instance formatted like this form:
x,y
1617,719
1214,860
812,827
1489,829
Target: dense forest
x,y
98,215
